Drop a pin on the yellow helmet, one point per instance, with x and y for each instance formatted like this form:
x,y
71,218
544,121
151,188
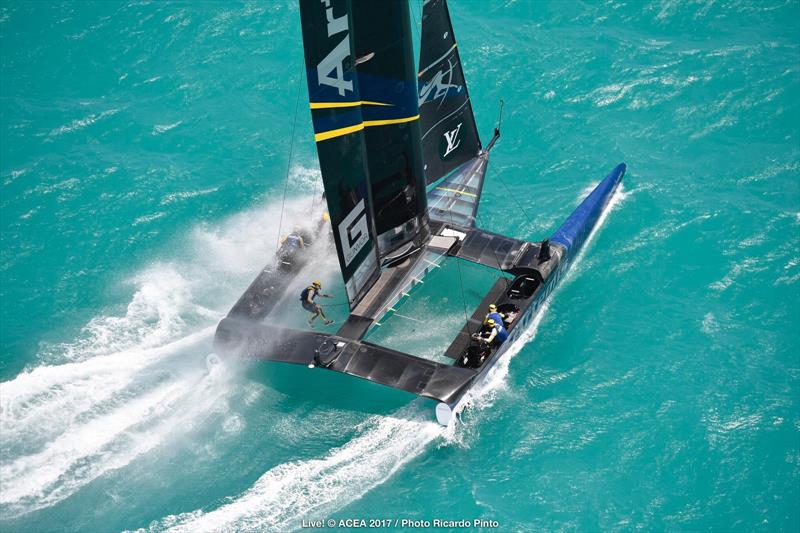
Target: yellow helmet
x,y
317,284
492,307
490,322
326,217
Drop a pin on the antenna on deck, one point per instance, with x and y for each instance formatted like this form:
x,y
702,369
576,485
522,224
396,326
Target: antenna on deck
x,y
544,251
497,128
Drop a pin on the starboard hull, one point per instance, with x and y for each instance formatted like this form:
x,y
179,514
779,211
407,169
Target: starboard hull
x,y
570,238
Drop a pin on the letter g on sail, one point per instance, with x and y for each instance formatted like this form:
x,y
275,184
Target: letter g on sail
x,y
354,232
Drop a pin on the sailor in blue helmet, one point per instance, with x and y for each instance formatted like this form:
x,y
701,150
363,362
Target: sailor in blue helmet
x,y
492,334
308,303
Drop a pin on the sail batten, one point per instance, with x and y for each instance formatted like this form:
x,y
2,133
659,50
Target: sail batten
x,y
449,132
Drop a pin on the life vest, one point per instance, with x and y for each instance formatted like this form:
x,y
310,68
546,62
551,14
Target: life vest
x,y
304,294
497,317
502,334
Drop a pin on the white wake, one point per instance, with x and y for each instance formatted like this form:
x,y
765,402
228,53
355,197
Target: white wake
x,y
136,379
315,487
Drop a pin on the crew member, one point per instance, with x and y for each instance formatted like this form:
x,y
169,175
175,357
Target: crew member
x,y
292,242
324,220
500,318
308,303
493,334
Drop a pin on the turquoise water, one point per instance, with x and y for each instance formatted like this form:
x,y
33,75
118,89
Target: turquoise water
x,y
143,153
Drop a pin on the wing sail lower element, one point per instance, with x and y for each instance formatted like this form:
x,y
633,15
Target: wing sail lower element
x,y
449,133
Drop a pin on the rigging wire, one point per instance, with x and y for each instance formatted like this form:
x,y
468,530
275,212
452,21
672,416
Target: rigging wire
x,y
316,188
314,198
289,162
516,201
503,183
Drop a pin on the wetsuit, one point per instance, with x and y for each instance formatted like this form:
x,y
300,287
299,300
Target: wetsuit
x,y
293,241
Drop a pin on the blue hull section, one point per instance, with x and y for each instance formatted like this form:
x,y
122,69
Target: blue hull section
x,y
576,228
571,236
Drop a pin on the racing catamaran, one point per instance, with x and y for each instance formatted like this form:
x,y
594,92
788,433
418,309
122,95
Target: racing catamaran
x,y
403,168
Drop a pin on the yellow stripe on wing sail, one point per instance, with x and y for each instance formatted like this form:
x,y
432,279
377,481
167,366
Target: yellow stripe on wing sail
x,y
333,105
330,134
370,123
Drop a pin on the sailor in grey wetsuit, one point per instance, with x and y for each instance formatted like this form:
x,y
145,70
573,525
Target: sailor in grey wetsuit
x,y
308,303
290,243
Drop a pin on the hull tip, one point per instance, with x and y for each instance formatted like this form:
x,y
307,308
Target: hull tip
x,y
443,414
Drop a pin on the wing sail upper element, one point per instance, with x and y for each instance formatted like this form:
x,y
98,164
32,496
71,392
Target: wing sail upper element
x,y
449,133
339,131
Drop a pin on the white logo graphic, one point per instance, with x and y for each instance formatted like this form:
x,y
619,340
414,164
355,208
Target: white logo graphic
x,y
353,232
452,139
437,88
334,61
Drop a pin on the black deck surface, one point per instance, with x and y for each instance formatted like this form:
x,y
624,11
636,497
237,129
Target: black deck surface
x,y
355,327
243,332
387,284
369,361
267,289
490,249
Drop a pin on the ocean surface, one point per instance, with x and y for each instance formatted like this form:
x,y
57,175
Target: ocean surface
x,y
144,155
